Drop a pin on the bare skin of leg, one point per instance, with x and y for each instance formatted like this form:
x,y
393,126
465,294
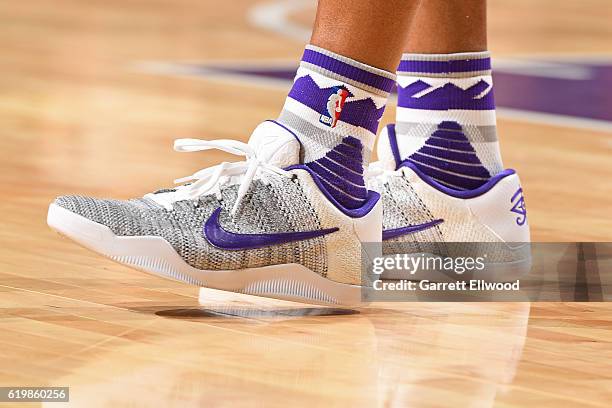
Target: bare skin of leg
x,y
448,26
364,30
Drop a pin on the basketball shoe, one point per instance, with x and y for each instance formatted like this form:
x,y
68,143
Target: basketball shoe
x,y
263,226
425,218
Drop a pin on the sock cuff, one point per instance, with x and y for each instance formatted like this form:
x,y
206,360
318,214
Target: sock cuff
x,y
348,70
455,65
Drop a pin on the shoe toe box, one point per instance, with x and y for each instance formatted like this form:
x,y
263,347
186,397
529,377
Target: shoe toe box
x,y
124,218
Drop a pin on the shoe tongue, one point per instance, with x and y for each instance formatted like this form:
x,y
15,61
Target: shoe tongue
x,y
384,151
275,144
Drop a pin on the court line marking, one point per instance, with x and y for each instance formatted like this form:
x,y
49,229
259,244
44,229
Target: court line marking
x,y
273,17
552,119
192,70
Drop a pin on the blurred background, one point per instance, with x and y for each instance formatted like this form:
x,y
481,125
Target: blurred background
x,y
93,93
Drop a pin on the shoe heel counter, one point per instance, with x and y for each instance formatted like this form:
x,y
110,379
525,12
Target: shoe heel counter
x,y
359,246
344,249
369,227
502,210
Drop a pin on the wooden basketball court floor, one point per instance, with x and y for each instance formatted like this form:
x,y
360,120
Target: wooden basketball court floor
x,y
79,114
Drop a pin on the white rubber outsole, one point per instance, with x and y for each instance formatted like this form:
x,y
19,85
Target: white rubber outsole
x,y
155,255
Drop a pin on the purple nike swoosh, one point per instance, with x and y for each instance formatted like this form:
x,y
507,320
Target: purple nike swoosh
x,y
222,239
410,229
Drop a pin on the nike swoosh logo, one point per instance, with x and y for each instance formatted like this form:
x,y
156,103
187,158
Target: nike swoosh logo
x,y
410,229
223,239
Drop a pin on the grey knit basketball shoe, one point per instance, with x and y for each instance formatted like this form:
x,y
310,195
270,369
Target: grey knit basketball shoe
x,y
426,219
263,226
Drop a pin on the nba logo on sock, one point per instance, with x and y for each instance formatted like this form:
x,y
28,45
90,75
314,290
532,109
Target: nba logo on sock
x,y
334,106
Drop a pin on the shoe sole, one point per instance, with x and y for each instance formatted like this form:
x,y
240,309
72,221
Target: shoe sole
x,y
155,255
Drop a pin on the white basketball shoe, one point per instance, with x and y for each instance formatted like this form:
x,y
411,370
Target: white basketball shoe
x,y
424,218
264,226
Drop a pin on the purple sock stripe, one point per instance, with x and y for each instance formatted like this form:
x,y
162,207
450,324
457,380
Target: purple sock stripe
x,y
441,183
462,169
478,88
338,182
362,113
442,137
347,70
450,135
456,180
354,212
450,125
449,96
448,144
347,150
341,176
413,88
341,197
354,164
340,171
445,67
469,157
349,176
352,141
337,169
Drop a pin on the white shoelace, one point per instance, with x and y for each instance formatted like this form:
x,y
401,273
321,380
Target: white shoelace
x,y
211,179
